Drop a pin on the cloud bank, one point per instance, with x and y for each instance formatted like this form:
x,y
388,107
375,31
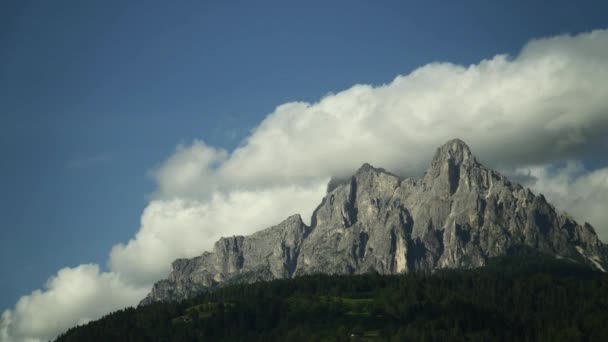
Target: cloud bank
x,y
73,296
545,106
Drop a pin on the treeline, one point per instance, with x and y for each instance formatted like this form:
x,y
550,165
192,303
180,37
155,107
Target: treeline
x,y
526,297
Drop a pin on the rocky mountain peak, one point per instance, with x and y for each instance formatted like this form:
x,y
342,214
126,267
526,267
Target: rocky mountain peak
x,y
454,166
455,151
367,169
459,214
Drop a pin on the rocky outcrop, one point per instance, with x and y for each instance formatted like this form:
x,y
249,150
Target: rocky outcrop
x,y
458,214
269,254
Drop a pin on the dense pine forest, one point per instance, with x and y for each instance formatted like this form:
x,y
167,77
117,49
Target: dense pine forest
x,y
525,297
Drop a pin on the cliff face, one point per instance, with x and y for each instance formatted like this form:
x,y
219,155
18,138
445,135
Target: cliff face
x,y
458,214
268,254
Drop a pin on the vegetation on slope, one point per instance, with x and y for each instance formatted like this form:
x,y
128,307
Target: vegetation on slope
x,y
522,297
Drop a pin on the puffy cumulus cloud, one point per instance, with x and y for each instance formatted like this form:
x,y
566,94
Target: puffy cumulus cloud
x,y
189,171
545,105
184,228
575,190
73,296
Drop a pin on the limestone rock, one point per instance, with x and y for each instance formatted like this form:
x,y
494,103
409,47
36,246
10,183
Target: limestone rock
x,y
268,254
458,214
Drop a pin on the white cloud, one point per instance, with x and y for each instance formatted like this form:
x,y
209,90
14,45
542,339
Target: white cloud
x,y
190,171
546,105
74,296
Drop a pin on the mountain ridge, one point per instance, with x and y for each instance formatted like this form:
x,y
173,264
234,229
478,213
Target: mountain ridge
x,y
458,214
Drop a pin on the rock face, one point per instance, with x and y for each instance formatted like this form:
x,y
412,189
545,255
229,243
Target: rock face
x,y
268,254
458,214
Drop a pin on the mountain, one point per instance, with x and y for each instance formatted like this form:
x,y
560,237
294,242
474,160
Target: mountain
x,y
458,215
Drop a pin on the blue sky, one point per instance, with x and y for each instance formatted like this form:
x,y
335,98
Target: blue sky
x,y
96,94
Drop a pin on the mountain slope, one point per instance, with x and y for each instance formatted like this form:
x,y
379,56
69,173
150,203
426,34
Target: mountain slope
x,y
528,296
459,214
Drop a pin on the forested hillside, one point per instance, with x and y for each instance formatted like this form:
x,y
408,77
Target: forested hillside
x,y
522,297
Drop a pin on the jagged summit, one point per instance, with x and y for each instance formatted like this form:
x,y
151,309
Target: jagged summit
x,y
367,168
454,167
456,152
459,214
455,144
